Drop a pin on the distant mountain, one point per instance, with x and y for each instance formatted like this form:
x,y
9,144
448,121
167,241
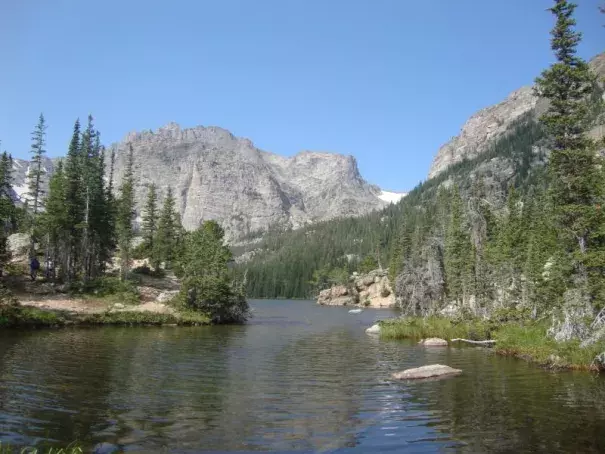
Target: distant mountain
x,y
216,175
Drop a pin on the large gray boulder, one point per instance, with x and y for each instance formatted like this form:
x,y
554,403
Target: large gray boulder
x,y
18,245
374,329
433,342
431,371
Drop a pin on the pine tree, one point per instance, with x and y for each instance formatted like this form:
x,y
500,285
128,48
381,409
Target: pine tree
x,y
150,218
125,215
55,220
165,242
74,203
36,170
205,278
7,207
457,250
576,178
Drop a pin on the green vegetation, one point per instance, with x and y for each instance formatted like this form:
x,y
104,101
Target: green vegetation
x,y
206,284
525,339
80,226
519,227
125,216
73,448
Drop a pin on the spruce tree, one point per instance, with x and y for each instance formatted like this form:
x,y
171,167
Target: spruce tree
x,y
206,285
457,250
165,242
74,203
150,218
36,169
576,178
55,220
7,206
125,215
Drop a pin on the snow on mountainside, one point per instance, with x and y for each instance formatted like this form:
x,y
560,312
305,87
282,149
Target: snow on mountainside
x,y
391,197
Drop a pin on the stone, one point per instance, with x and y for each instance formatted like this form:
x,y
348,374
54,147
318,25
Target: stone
x,y
118,306
433,342
374,329
18,245
372,289
338,295
430,371
166,296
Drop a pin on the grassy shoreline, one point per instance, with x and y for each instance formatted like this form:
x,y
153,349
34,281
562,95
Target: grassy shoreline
x,y
18,316
527,340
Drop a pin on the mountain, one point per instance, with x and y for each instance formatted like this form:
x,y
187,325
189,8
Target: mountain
x,y
216,175
484,128
20,174
499,147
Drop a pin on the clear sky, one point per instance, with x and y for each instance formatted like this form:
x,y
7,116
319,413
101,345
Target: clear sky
x,y
387,81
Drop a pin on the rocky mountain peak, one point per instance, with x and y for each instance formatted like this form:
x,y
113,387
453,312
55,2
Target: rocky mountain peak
x,y
216,175
487,125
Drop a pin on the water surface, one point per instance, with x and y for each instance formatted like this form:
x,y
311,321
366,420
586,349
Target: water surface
x,y
298,377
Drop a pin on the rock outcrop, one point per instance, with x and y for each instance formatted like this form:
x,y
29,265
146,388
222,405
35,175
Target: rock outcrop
x,y
368,290
431,371
486,126
433,342
18,245
218,176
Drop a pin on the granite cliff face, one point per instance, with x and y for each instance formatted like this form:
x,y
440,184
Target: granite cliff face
x,y
486,126
217,176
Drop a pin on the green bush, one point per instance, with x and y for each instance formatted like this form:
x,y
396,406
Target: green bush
x,y
108,287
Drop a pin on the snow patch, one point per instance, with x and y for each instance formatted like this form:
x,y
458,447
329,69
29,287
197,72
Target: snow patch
x,y
391,197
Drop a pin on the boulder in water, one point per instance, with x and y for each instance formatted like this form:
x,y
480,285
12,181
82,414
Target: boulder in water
x,y
433,342
374,329
433,370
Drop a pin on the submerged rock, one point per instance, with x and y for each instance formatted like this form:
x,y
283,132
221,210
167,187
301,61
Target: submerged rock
x,y
433,370
374,329
433,342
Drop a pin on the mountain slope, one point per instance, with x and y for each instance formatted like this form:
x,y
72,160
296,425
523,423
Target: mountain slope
x,y
409,237
218,176
484,128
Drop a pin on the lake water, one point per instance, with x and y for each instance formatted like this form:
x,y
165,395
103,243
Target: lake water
x,y
297,377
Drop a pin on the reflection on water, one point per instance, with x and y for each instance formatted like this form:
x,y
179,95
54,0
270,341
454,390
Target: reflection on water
x,y
297,378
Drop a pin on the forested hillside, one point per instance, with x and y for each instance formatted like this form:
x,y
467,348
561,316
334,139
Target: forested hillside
x,y
478,231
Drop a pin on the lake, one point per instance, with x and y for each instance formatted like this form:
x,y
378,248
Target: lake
x,y
297,377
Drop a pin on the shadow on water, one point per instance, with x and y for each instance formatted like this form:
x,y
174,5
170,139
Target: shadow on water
x,y
297,378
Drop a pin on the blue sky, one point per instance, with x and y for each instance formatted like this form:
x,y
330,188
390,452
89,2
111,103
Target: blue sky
x,y
387,81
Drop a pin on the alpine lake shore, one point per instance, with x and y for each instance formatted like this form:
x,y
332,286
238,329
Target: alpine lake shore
x,y
521,338
142,300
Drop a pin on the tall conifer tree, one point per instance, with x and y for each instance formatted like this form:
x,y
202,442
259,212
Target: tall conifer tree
x,y
125,215
576,178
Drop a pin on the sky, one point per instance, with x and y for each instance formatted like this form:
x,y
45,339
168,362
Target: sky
x,y
387,81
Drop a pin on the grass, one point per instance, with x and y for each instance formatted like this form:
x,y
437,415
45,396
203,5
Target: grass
x,y
15,316
527,340
421,328
187,318
71,449
12,315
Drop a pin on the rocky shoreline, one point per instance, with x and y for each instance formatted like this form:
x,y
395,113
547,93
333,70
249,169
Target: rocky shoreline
x,y
372,289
